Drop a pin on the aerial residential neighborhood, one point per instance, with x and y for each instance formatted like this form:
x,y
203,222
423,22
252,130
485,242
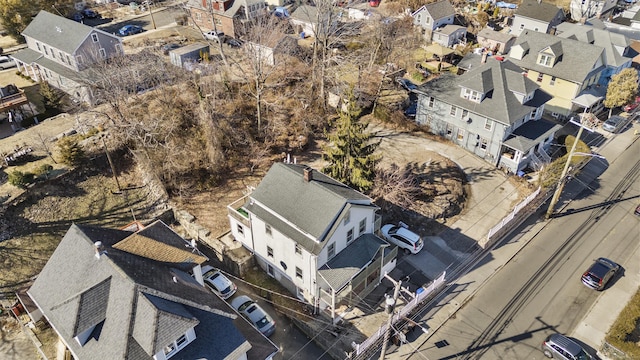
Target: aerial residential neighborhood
x,y
250,179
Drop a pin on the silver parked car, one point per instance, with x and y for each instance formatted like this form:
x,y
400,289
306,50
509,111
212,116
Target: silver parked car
x,y
218,283
6,62
614,124
557,346
255,314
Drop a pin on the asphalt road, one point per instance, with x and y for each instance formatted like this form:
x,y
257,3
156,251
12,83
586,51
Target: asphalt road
x,y
162,17
539,292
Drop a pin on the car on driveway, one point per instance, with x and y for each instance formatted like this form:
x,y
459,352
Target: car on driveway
x,y
255,314
406,84
77,17
6,62
558,346
218,283
404,238
599,273
130,30
214,35
614,124
90,13
166,48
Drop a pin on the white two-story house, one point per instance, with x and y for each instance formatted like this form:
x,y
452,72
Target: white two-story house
x,y
313,234
60,50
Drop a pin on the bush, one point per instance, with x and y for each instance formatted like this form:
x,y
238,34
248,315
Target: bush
x,y
623,334
20,179
44,170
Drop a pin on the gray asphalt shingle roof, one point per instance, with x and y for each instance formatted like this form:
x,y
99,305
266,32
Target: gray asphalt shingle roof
x,y
440,9
538,10
306,13
347,264
578,61
305,211
530,134
146,303
610,41
495,35
57,31
500,103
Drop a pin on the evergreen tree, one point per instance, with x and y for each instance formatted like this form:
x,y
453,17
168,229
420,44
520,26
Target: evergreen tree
x,y
350,150
622,89
70,151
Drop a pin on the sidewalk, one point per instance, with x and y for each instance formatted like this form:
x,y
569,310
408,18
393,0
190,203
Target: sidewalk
x,y
599,318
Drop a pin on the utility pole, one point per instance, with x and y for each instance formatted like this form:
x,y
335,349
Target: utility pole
x,y
153,21
390,308
562,181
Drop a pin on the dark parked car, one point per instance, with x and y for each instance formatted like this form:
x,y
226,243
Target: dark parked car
x,y
78,17
411,110
406,84
234,42
90,13
599,273
130,30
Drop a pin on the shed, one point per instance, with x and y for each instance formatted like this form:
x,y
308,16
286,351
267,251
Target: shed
x,y
189,53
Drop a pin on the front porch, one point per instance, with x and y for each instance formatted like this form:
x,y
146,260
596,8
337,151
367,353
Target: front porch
x,y
527,146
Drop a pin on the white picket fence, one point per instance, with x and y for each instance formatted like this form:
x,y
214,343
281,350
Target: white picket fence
x,y
505,221
401,314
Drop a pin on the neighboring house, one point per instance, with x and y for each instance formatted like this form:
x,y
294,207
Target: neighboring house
x,y
495,41
191,53
231,16
449,35
537,16
119,294
432,16
273,48
305,20
494,111
562,67
618,52
60,50
313,234
585,9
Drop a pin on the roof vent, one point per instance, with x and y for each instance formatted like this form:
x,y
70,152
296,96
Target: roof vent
x,y
175,279
99,248
58,29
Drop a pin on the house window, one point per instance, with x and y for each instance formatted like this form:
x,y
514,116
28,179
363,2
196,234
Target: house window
x,y
488,124
331,250
453,110
471,95
270,270
94,37
521,26
103,53
267,229
539,79
460,136
350,235
553,80
483,144
347,217
240,229
53,53
270,252
119,49
432,100
46,51
298,250
298,273
79,59
465,113
62,57
38,46
182,340
68,60
449,130
175,346
363,226
545,60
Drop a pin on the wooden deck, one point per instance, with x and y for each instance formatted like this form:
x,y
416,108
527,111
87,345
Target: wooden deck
x,y
13,101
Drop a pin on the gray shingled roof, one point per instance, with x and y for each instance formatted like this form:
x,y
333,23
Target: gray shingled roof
x,y
530,134
440,9
304,211
306,13
495,35
174,301
347,264
449,29
610,41
500,104
578,61
533,9
57,31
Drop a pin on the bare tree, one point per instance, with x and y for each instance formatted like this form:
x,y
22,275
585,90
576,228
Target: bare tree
x,y
43,142
396,185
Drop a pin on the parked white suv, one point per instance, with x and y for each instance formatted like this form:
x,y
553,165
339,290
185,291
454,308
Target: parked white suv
x,y
214,35
6,62
404,238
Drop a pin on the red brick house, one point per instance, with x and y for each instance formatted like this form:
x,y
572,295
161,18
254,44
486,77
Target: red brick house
x,y
230,16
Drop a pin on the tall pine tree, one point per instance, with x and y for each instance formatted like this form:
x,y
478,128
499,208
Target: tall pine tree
x,y
350,150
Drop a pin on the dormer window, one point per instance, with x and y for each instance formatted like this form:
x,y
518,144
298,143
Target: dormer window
x,y
545,60
472,95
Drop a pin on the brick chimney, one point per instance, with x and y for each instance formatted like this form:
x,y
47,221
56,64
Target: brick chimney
x,y
308,174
